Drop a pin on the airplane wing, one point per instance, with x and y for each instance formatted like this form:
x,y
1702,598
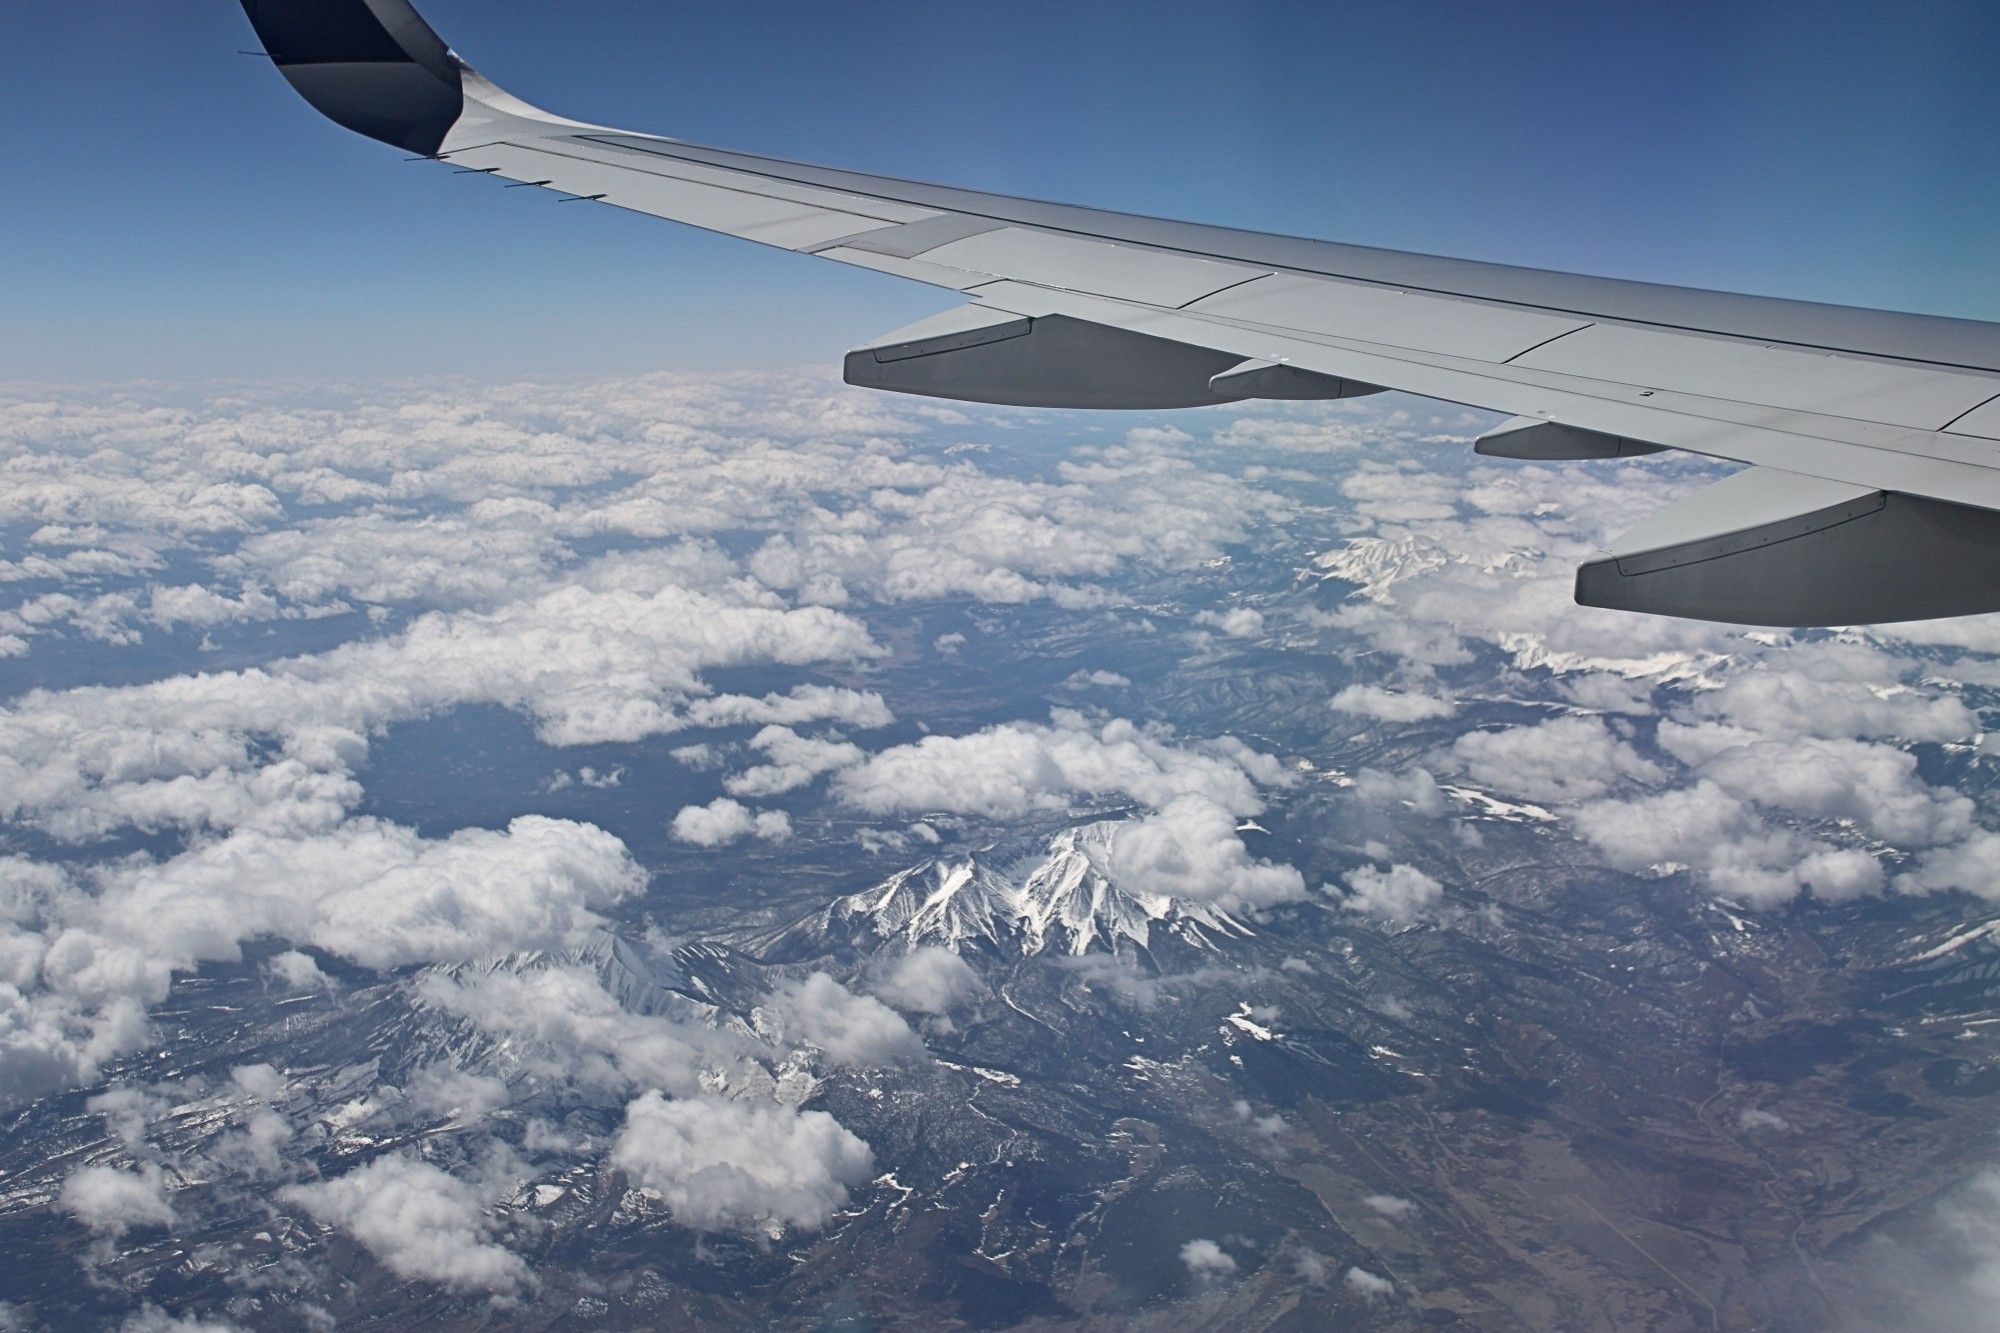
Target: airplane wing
x,y
1873,438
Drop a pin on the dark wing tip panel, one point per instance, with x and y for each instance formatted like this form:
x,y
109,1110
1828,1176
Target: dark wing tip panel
x,y
372,65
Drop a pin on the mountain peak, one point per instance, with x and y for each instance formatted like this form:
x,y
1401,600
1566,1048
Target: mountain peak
x,y
1065,899
1378,562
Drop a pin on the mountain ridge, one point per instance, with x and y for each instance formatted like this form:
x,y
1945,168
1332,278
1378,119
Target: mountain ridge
x,y
1068,899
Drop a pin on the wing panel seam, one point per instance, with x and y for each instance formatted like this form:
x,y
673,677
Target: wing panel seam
x,y
1544,343
1841,455
1968,412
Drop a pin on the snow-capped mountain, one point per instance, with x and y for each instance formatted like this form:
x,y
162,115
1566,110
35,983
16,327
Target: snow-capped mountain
x,y
1378,564
1064,900
937,901
1375,563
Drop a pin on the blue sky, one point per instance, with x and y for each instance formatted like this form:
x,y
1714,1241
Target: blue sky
x,y
177,213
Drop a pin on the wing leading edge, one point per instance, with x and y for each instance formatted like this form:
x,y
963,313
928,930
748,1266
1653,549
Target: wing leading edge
x,y
1872,436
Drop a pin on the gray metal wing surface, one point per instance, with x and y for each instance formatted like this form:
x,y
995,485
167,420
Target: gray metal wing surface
x,y
1873,437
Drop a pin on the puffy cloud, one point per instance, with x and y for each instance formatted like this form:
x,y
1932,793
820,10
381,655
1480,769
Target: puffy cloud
x,y
1016,768
971,534
1400,492
1874,786
378,894
930,980
1970,1223
723,1165
260,1081
193,604
1835,690
1207,1261
1369,1286
1390,1206
1413,788
127,1110
1391,705
1971,866
793,761
591,664
1798,738
560,1022
456,1094
803,704
372,892
1608,692
257,1149
297,971
547,549
852,1029
1744,858
723,821
1565,759
1303,429
1188,847
1399,895
1270,1126
152,1319
486,555
111,1201
1938,1271
700,756
1752,1119
1241,622
1190,850
418,1221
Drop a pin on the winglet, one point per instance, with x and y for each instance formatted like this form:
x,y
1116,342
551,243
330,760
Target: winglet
x,y
373,66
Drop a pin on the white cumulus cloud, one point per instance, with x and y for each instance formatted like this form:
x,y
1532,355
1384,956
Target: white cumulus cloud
x,y
112,1201
1392,705
1400,894
723,1165
1206,1260
852,1029
723,821
929,980
418,1221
